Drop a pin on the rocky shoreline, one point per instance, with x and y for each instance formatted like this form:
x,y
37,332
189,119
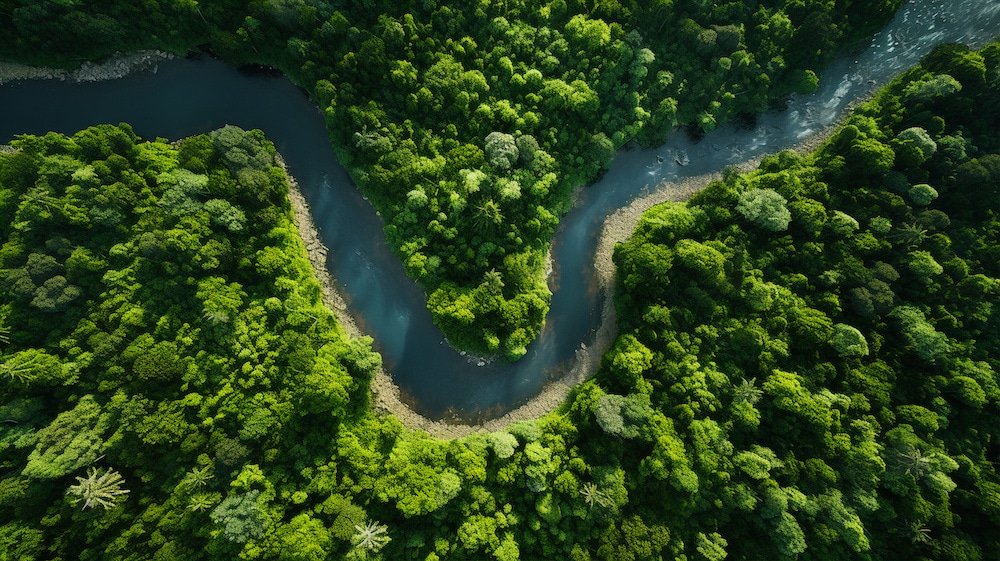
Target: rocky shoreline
x,y
118,66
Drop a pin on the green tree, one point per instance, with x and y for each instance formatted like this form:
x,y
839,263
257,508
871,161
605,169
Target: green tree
x,y
848,341
711,547
73,440
765,208
623,415
919,137
501,151
23,542
924,266
34,367
922,194
929,89
55,294
304,538
241,516
921,336
225,214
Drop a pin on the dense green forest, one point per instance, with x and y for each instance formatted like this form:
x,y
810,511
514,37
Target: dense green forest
x,y
161,321
468,125
806,367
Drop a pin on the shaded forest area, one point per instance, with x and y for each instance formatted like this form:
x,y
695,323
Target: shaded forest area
x,y
807,365
469,125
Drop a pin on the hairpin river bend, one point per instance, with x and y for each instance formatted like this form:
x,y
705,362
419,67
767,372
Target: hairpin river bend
x,y
186,97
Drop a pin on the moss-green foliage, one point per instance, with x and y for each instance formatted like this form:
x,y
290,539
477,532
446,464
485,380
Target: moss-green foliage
x,y
468,125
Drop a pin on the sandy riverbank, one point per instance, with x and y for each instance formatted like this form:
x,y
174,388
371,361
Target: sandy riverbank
x,y
386,393
619,226
118,66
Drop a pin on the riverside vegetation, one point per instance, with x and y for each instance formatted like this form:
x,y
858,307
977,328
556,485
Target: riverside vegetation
x,y
806,367
469,125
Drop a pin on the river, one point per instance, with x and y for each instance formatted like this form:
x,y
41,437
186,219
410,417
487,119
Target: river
x,y
186,97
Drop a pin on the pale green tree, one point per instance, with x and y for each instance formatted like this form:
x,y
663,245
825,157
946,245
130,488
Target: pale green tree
x,y
920,335
765,208
922,91
241,516
747,391
922,194
919,137
371,537
848,341
501,151
923,264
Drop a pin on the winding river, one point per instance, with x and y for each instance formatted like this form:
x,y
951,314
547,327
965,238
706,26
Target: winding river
x,y
185,97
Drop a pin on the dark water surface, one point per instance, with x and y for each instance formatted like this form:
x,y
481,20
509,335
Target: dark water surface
x,y
185,97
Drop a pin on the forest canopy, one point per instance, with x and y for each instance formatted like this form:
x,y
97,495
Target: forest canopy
x,y
823,390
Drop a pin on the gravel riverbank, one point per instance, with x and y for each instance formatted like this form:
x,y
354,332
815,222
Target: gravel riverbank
x,y
118,66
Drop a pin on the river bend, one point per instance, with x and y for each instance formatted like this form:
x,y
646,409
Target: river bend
x,y
184,97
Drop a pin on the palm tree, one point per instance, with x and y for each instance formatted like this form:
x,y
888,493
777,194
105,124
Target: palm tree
x,y
488,215
919,533
104,489
914,462
202,501
21,366
593,496
590,494
197,477
371,537
909,234
747,391
42,197
216,317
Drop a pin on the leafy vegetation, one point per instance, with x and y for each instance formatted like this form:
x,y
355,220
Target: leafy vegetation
x,y
822,341
819,391
193,340
468,126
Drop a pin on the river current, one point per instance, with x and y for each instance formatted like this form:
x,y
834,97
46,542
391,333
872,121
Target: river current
x,y
185,97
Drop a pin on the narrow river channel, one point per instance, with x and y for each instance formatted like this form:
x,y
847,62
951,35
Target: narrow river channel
x,y
185,97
